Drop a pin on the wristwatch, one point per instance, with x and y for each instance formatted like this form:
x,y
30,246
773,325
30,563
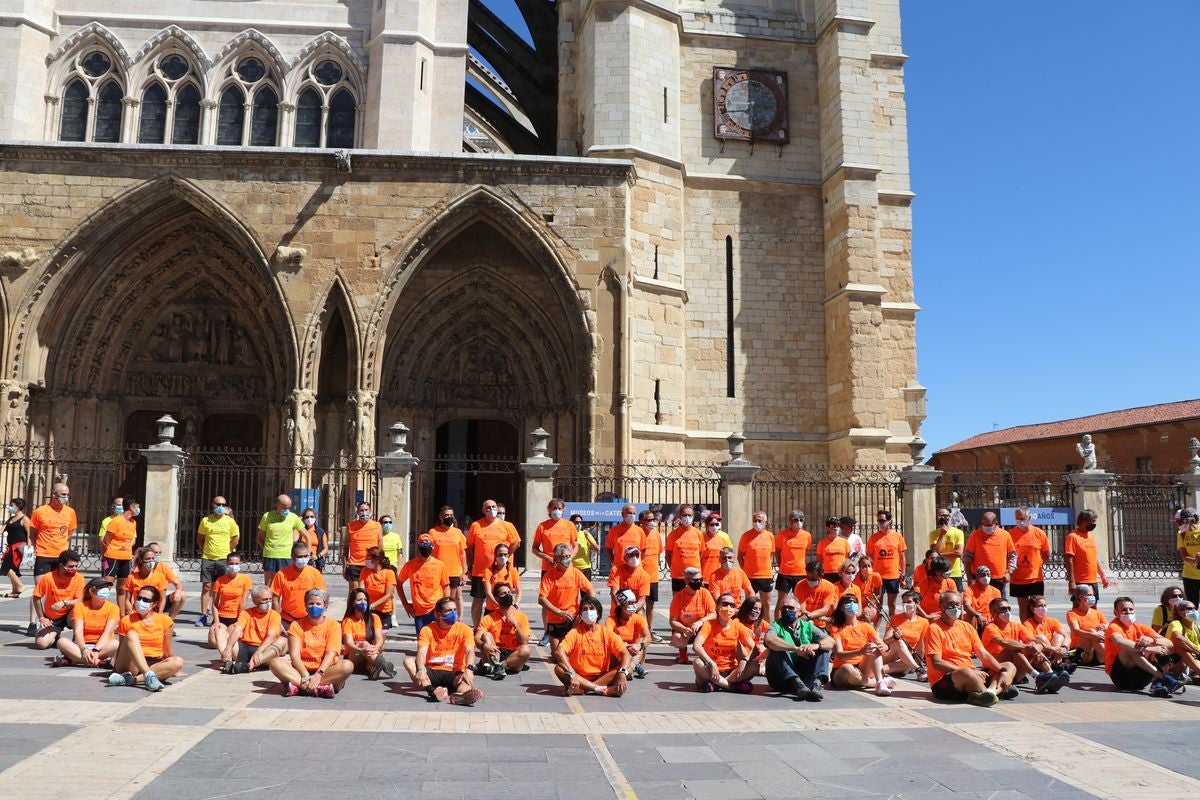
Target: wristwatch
x,y
624,672
471,667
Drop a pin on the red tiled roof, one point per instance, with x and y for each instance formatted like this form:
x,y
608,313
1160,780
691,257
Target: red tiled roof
x,y
1109,420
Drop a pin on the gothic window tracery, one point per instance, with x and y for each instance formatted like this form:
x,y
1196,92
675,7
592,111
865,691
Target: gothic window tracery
x,y
92,100
248,112
326,106
170,101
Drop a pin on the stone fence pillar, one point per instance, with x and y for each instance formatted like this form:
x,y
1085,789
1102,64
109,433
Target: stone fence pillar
x,y
164,461
918,508
1091,491
737,490
537,479
395,482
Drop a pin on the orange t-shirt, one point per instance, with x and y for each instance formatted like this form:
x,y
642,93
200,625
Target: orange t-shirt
x,y
551,533
1013,630
735,582
257,625
562,590
506,574
356,629
53,589
621,536
710,554
52,529
228,593
483,538
684,544
504,634
690,610
316,639
447,648
593,652
955,644
1048,626
792,546
885,549
814,598
990,551
721,644
853,588
832,553
1094,618
911,628
449,547
654,548
931,590
755,550
980,599
429,581
1031,547
1133,632
377,583
310,536
153,632
633,630
157,578
121,535
853,637
362,536
871,584
94,620
635,580
290,585
1085,560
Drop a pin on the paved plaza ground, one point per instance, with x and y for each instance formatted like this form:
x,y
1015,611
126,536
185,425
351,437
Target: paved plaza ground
x,y
65,734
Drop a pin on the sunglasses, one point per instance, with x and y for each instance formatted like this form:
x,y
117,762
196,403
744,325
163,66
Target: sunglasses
x,y
727,605
1004,608
146,599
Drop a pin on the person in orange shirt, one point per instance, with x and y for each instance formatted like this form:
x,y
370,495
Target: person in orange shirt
x,y
559,592
450,548
949,644
429,580
361,535
1052,636
1033,549
624,534
1080,556
550,533
632,628
715,540
379,579
314,665
292,583
51,528
256,637
146,653
503,636
362,636
870,586
750,614
683,547
1087,625
1134,654
145,573
756,555
628,574
846,583
724,648
117,546
833,549
501,570
728,577
592,659
921,571
482,539
229,592
906,629
886,547
444,666
1008,640
930,588
650,558
94,622
978,597
173,594
791,551
691,607
857,651
54,596
991,546
818,597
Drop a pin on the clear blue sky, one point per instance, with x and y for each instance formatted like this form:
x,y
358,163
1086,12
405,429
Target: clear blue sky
x,y
1055,154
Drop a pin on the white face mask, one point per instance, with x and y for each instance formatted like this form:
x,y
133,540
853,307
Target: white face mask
x,y
910,608
797,525
953,613
233,569
629,609
556,514
1039,611
813,583
491,512
1024,523
590,616
989,528
502,560
265,606
686,519
1129,618
728,563
627,519
633,561
500,516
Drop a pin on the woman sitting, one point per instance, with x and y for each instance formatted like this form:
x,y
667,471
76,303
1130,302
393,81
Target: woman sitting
x,y
857,651
146,654
362,635
94,622
723,649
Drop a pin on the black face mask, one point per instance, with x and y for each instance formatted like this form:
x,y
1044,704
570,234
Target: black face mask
x,y
505,601
943,520
425,549
1091,526
447,520
695,585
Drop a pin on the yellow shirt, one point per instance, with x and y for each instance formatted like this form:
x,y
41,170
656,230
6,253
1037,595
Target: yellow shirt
x,y
1190,540
955,539
218,533
393,546
104,526
583,556
1190,634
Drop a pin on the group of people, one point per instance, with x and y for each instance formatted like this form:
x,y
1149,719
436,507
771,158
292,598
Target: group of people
x,y
800,614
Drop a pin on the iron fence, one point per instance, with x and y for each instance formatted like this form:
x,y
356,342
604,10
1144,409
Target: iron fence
x,y
95,475
1142,531
251,480
823,491
463,482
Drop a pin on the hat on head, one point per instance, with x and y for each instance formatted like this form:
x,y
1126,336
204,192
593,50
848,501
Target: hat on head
x,y
626,596
714,517
981,571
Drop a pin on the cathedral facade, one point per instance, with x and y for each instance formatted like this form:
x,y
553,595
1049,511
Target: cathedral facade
x,y
640,225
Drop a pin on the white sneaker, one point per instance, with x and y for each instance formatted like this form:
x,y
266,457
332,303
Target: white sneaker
x,y
882,689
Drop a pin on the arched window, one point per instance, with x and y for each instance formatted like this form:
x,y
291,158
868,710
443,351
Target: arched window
x,y
265,118
231,117
339,130
308,119
153,126
108,113
92,100
186,129
73,127
253,82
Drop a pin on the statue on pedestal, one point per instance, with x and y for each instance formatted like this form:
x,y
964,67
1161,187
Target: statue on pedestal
x,y
1087,451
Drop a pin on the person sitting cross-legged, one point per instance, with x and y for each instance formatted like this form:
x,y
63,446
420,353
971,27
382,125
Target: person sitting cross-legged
x,y
858,650
591,658
797,654
503,635
146,654
444,664
949,644
94,622
314,664
724,648
1134,655
1009,640
1088,625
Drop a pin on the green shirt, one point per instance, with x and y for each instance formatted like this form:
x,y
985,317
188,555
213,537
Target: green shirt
x,y
281,532
218,533
804,633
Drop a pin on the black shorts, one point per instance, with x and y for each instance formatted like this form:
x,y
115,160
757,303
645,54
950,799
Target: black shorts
x,y
275,564
442,678
891,586
8,564
677,585
477,590
211,569
352,572
1001,586
559,630
832,577
653,596
944,689
787,583
228,622
1027,589
42,565
115,568
762,584
1129,679
455,581
246,652
587,573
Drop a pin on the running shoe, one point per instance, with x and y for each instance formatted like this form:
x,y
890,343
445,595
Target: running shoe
x,y
545,640
639,671
742,687
121,679
291,690
1173,685
1046,683
1158,690
986,698
325,690
1011,693
654,637
202,621
468,698
153,684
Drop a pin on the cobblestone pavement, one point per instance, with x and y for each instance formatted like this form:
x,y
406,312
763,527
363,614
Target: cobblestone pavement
x,y
66,734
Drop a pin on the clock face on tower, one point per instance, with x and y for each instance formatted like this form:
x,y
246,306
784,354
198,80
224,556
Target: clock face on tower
x,y
750,105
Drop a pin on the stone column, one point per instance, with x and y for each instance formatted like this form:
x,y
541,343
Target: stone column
x,y
1091,491
537,480
918,507
737,489
395,481
163,464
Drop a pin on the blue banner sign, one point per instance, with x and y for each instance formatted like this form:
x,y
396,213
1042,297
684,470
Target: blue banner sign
x,y
1040,516
601,512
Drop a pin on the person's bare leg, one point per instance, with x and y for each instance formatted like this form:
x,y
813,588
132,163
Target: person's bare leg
x,y
282,669
71,650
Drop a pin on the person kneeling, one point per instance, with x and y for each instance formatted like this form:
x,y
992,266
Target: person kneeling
x,y
146,652
256,638
949,644
503,636
723,649
362,636
444,666
314,665
94,623
587,655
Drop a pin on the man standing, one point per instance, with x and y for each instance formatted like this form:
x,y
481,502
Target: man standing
x,y
756,552
886,549
430,581
51,527
117,547
450,547
991,546
791,550
624,534
361,535
797,654
948,541
278,530
290,584
217,536
648,522
683,548
117,507
833,549
1033,549
1080,556
482,539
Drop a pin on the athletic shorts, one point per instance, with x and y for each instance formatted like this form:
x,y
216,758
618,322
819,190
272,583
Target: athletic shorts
x,y
944,689
891,586
228,622
559,630
477,590
455,581
246,652
42,565
1129,679
1000,585
762,584
832,577
421,620
442,678
211,569
653,596
275,564
787,583
115,568
352,572
1027,589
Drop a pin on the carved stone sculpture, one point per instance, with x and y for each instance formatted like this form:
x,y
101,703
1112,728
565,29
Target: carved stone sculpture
x,y
1087,451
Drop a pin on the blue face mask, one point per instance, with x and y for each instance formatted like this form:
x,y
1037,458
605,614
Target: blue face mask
x,y
300,563
852,608
283,512
450,617
141,605
387,527
788,616
137,512
316,612
218,510
118,509
104,594
361,607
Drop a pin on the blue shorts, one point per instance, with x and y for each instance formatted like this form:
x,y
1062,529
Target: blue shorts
x,y
422,621
275,564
